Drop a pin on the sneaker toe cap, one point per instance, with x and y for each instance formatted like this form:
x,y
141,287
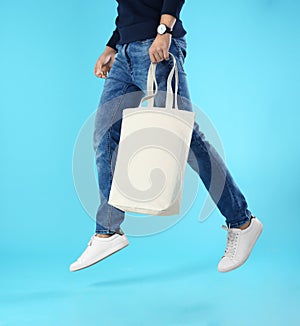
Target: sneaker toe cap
x,y
75,266
226,264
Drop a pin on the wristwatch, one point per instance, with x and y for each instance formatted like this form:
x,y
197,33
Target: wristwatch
x,y
163,29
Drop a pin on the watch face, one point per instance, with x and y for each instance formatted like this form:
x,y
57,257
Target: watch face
x,y
161,29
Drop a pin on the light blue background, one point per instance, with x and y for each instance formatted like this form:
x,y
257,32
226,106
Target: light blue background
x,y
243,69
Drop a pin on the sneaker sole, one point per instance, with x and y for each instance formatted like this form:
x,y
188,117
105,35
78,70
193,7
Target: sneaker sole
x,y
106,254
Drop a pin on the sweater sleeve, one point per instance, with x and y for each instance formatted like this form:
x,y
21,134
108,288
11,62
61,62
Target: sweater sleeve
x,y
172,7
114,38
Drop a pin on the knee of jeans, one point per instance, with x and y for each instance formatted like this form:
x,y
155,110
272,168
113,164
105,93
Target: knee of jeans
x,y
197,135
100,146
192,161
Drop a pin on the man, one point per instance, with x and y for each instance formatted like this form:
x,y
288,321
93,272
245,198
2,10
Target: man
x,y
146,30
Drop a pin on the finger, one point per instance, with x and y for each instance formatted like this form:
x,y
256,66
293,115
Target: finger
x,y
152,58
166,54
160,53
105,69
98,70
109,66
103,74
157,57
98,74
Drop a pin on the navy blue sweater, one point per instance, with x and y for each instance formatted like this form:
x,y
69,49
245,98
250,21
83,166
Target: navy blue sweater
x,y
138,20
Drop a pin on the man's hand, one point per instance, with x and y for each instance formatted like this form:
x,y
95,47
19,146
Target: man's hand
x,y
105,62
159,50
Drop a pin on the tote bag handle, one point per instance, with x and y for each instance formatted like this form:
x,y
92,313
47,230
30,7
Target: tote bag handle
x,y
152,79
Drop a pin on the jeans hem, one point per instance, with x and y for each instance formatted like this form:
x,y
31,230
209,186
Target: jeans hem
x,y
104,232
240,223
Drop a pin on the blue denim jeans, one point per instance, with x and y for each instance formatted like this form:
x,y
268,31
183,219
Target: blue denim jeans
x,y
124,87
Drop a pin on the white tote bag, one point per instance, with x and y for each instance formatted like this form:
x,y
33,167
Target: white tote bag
x,y
152,153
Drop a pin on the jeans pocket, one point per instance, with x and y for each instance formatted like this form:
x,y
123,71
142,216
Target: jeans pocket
x,y
178,48
181,45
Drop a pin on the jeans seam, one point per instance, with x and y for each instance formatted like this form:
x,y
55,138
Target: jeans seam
x,y
116,107
226,181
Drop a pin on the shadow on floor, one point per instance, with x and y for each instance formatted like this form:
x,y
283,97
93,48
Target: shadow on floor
x,y
158,275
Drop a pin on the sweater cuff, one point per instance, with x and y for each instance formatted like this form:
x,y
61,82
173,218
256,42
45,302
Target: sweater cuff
x,y
114,39
172,7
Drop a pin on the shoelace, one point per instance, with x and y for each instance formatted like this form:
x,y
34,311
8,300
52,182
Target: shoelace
x,y
91,239
89,244
232,240
85,252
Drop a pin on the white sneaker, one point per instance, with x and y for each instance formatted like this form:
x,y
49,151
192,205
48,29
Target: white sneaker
x,y
98,249
239,245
